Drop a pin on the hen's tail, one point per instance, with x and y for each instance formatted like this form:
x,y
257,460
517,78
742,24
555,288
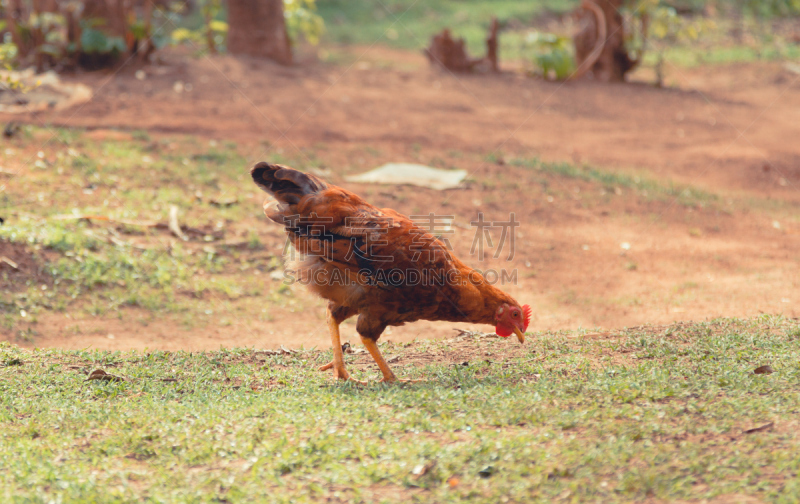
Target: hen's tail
x,y
285,184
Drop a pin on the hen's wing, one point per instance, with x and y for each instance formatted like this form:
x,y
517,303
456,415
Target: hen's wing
x,y
376,241
337,226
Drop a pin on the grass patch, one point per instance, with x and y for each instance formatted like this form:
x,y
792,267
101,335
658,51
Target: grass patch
x,y
101,266
88,271
613,182
408,24
690,57
653,412
760,39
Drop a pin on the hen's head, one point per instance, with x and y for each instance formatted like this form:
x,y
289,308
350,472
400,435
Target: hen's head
x,y
512,319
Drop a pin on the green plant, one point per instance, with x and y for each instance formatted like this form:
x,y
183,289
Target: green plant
x,y
59,34
767,8
302,20
94,41
52,27
551,53
666,27
215,29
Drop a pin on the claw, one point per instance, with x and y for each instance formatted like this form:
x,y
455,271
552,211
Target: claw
x,y
340,374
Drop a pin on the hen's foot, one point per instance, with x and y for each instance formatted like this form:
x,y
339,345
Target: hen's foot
x,y
340,373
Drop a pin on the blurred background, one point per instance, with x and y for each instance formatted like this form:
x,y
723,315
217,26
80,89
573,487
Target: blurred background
x,y
647,148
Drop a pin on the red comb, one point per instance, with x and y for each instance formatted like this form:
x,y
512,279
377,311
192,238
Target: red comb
x,y
527,311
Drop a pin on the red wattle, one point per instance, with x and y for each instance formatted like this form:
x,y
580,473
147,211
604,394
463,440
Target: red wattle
x,y
503,331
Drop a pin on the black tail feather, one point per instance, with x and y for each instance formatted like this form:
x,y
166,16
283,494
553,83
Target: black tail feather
x,y
286,184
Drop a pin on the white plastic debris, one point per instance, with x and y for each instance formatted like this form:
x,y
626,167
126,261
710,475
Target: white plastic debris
x,y
411,174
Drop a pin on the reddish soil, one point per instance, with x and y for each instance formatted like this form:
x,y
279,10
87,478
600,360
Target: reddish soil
x,y
19,265
729,130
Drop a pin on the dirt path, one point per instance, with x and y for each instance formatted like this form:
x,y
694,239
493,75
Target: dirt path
x,y
718,128
731,131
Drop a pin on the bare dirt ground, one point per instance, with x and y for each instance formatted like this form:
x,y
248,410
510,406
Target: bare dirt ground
x,y
729,130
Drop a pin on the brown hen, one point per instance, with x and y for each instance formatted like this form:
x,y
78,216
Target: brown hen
x,y
377,264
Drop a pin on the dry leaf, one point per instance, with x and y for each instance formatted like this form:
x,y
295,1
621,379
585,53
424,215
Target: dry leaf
x,y
762,428
109,219
8,261
474,334
173,223
423,469
283,351
226,202
764,370
99,374
592,335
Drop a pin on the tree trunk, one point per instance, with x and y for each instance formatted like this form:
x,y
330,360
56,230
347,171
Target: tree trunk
x,y
114,14
257,28
14,13
608,60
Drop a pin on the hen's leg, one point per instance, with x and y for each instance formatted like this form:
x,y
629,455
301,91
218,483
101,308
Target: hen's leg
x,y
372,347
388,375
339,370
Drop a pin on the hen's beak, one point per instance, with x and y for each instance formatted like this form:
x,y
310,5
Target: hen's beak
x,y
520,335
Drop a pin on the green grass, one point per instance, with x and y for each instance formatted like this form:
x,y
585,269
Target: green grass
x,y
87,272
410,24
612,181
99,267
685,56
761,40
650,413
